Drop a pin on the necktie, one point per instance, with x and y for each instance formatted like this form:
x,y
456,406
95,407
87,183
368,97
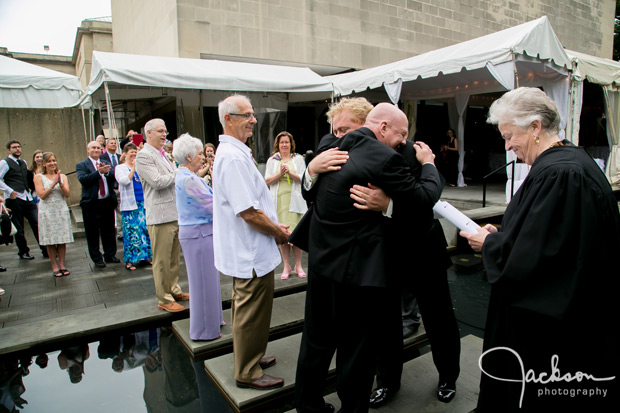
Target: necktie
x,y
101,184
113,160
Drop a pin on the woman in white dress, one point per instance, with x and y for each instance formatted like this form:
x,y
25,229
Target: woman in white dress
x,y
54,220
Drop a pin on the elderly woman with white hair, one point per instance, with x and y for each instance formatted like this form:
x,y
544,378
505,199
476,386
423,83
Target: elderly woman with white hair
x,y
194,201
553,273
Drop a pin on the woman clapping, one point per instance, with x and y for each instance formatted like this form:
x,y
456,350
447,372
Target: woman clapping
x,y
54,220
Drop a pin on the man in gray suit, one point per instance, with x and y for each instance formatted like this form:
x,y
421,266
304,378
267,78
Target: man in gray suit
x,y
157,176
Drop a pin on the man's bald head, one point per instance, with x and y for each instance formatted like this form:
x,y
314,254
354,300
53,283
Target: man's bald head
x,y
389,124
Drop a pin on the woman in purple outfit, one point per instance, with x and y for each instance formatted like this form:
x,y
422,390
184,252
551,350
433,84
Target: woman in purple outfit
x,y
195,210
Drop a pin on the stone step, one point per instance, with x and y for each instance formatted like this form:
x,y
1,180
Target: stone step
x,y
286,350
419,381
287,318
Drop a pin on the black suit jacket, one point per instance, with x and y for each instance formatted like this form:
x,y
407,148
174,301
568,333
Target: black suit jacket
x,y
416,232
89,178
105,157
350,245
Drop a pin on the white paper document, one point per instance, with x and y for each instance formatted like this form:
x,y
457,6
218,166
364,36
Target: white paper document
x,y
456,217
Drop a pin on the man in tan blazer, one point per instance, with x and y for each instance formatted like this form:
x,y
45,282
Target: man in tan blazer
x,y
157,176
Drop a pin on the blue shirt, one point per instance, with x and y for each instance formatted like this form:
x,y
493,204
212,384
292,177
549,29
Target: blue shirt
x,y
194,198
137,187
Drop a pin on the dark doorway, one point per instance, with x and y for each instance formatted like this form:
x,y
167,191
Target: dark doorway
x,y
213,127
301,124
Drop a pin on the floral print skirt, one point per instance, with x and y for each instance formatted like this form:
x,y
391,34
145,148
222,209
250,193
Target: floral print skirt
x,y
136,241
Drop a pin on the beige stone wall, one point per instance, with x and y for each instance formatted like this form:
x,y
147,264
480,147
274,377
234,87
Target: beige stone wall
x,y
346,33
92,35
56,130
53,62
147,27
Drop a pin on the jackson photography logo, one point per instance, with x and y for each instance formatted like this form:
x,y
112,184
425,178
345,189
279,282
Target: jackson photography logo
x,y
555,376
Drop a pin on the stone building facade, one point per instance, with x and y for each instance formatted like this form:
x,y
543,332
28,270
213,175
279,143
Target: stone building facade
x,y
335,35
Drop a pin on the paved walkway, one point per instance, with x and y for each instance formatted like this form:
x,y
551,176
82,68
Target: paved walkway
x,y
34,296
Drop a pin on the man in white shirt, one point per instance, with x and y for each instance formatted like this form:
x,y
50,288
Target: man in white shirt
x,y
245,234
13,173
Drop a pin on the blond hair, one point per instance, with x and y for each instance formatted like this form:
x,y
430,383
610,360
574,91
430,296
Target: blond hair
x,y
358,107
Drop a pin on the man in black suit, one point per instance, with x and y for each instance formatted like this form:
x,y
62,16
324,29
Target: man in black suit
x,y
428,283
113,158
98,203
350,285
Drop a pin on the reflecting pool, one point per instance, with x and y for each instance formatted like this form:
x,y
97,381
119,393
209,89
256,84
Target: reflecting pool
x,y
146,371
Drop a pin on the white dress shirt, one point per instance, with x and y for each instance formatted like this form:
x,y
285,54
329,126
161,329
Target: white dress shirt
x,y
237,186
4,168
105,181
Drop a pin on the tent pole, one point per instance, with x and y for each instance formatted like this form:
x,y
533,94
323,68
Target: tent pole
x,y
111,120
514,64
84,125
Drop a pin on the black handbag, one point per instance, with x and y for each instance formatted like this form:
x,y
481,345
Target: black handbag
x,y
7,228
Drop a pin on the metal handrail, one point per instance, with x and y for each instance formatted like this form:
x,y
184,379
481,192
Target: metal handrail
x,y
484,182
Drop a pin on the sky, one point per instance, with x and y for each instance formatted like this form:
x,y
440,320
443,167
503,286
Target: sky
x,y
27,25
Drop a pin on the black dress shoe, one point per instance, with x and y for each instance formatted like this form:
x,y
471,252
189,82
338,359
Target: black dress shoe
x,y
26,256
100,264
329,408
381,396
112,260
45,254
410,330
446,391
2,269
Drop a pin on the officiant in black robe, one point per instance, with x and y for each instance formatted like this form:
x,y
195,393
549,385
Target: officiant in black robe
x,y
551,324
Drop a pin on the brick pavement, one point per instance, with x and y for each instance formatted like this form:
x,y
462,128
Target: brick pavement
x,y
35,297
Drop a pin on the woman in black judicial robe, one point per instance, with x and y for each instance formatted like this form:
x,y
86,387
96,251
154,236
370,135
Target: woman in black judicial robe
x,y
552,318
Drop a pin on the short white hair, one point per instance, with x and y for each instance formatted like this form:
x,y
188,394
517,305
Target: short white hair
x,y
150,125
229,105
524,105
184,146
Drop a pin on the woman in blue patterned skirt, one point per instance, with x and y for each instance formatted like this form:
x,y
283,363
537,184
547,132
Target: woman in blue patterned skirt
x,y
136,241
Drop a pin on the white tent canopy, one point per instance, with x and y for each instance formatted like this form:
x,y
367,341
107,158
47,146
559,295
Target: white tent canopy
x,y
526,55
23,85
606,73
118,69
199,82
474,66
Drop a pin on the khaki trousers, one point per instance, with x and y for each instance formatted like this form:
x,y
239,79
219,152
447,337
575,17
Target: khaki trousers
x,y
252,300
166,255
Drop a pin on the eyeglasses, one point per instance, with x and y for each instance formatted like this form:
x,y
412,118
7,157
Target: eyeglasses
x,y
163,132
248,116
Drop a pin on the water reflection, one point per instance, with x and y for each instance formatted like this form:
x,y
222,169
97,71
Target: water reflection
x,y
146,371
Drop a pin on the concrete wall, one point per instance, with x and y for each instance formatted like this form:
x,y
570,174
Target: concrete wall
x,y
91,35
147,27
344,33
53,62
55,130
